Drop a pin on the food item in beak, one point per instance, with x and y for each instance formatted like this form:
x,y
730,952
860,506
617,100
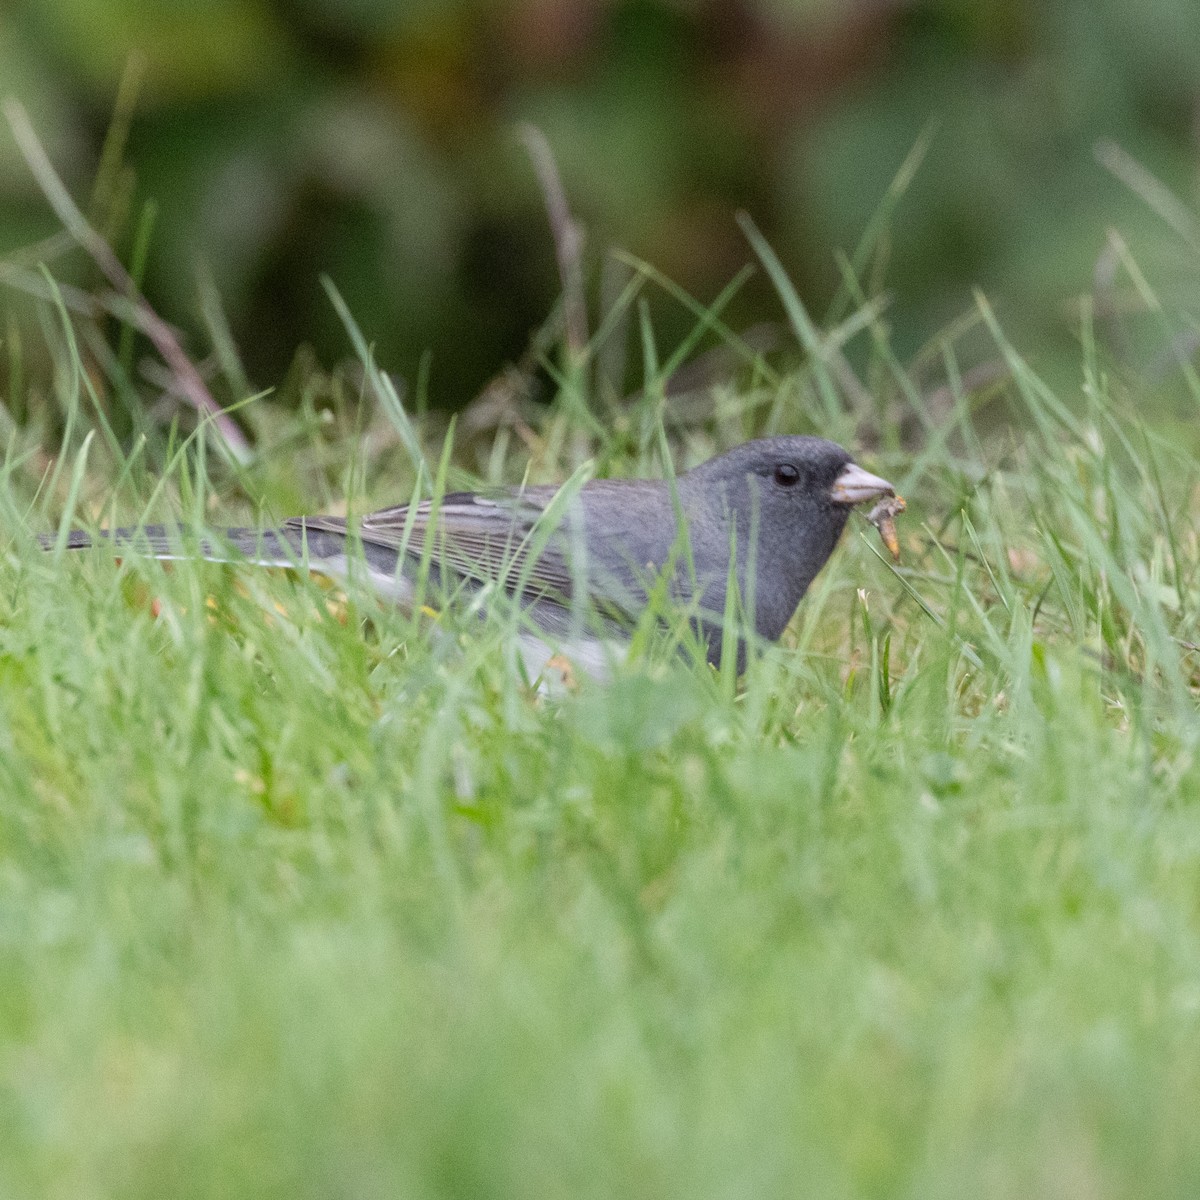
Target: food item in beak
x,y
883,517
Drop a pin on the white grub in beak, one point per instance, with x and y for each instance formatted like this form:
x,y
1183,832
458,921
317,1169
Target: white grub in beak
x,y
856,486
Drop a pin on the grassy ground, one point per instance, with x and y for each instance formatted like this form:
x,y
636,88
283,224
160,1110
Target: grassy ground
x,y
300,899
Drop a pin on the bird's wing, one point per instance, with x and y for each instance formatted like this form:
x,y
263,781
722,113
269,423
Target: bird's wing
x,y
478,537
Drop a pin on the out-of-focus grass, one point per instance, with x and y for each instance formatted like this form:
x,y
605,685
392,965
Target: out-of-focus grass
x,y
302,897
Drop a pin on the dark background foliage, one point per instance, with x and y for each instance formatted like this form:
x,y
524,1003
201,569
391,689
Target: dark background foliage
x,y
375,141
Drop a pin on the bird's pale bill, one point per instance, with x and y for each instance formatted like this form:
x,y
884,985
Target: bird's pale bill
x,y
856,486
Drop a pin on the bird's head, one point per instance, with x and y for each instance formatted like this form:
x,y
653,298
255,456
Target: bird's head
x,y
790,497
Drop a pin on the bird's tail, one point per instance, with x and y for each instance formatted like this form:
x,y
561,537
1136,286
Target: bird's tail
x,y
261,547
319,546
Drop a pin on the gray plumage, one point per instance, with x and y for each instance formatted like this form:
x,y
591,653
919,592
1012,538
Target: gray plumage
x,y
774,507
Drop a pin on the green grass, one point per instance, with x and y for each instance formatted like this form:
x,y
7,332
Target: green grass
x,y
301,897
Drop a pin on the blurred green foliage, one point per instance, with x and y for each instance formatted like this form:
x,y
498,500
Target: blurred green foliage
x,y
375,141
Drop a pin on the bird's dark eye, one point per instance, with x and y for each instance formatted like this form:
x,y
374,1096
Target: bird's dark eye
x,y
786,475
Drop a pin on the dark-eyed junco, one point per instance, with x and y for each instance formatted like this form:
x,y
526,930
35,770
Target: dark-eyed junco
x,y
765,515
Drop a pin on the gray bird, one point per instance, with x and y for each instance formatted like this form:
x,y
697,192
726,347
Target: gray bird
x,y
585,570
